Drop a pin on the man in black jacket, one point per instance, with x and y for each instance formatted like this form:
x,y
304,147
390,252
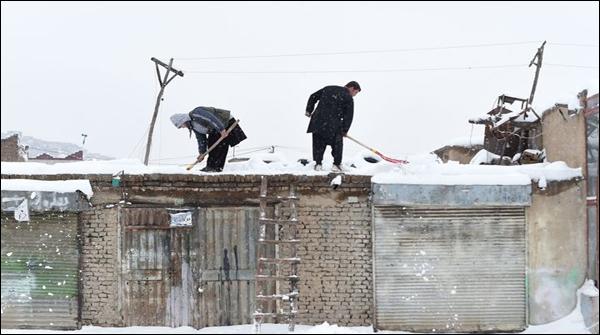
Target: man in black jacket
x,y
330,122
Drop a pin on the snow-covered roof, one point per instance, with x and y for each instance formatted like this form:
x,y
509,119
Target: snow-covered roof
x,y
461,174
422,169
465,142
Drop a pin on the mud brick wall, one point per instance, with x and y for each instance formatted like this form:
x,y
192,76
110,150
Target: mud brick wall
x,y
99,268
10,149
335,231
336,266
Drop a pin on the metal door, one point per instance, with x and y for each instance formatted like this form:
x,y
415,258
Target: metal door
x,y
227,265
158,286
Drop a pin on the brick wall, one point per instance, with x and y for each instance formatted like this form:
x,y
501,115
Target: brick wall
x,y
10,149
100,291
335,270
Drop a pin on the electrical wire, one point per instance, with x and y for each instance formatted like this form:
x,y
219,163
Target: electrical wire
x,y
358,52
364,71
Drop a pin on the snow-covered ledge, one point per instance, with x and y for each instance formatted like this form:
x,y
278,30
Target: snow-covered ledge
x,y
43,195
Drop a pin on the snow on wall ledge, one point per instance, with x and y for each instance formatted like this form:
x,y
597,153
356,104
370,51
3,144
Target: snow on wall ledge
x,y
460,174
59,186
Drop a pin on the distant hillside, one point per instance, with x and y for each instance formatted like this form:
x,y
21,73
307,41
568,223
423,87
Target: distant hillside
x,y
56,149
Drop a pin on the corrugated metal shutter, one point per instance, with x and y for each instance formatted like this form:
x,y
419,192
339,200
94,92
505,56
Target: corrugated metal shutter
x,y
450,269
40,272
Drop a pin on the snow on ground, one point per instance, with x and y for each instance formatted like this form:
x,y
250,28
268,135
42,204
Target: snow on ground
x,y
571,324
61,186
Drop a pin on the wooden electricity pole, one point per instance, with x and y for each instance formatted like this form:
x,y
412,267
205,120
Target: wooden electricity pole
x,y
539,55
163,83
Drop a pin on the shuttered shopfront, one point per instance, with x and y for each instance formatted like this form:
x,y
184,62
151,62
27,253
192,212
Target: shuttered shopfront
x,y
450,258
40,259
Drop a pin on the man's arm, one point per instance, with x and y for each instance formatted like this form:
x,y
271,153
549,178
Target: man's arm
x,y
312,100
202,142
348,115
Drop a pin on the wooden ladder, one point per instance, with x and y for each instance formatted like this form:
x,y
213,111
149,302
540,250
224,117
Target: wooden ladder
x,y
277,247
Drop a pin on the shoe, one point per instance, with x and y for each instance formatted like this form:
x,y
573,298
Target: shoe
x,y
318,167
336,169
209,169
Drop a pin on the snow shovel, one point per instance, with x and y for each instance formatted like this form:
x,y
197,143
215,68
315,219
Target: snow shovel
x,y
392,160
199,159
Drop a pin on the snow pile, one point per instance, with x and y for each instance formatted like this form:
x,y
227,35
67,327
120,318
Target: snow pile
x,y
483,156
422,169
326,328
456,174
60,186
130,166
337,181
570,324
589,289
261,163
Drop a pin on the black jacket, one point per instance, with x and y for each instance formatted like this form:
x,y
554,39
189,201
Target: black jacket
x,y
334,113
234,138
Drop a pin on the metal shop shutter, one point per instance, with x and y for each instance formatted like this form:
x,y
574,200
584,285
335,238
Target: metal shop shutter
x,y
40,272
449,269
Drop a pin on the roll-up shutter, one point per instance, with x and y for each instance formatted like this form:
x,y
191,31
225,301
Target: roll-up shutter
x,y
450,269
40,271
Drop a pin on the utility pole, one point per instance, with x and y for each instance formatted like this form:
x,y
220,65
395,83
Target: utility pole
x,y
163,83
84,137
539,55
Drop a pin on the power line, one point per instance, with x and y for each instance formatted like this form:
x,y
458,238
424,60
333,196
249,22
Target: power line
x,y
372,70
359,51
393,70
139,141
573,65
575,45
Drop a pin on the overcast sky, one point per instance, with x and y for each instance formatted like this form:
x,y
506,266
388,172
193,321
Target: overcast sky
x,y
73,68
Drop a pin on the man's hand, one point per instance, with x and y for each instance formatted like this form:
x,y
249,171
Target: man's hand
x,y
308,114
345,134
223,133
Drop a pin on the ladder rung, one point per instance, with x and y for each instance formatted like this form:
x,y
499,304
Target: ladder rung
x,y
267,277
278,221
279,260
277,197
277,296
278,241
275,314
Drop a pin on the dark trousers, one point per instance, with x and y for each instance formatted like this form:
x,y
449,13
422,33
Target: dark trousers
x,y
320,142
216,158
